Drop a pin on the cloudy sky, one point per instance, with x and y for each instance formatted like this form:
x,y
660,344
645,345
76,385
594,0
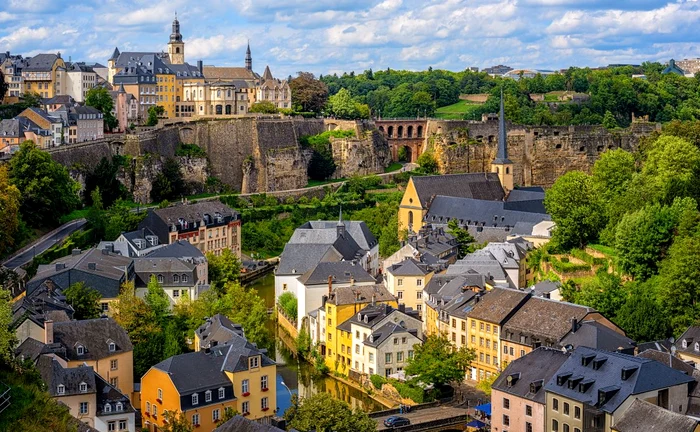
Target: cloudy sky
x,y
327,36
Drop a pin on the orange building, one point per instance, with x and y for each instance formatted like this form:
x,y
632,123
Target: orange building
x,y
234,374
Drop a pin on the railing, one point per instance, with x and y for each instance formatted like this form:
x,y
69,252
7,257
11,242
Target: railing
x,y
4,396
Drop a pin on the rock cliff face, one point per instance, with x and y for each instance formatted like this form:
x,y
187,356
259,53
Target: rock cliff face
x,y
368,154
540,154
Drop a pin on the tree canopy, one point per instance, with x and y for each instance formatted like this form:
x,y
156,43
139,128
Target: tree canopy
x,y
100,99
308,93
9,212
438,362
85,301
322,413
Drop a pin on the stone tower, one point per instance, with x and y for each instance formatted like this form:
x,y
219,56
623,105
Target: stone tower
x,y
248,59
501,165
121,109
176,47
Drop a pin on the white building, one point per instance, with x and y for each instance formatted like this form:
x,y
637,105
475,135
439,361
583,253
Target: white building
x,y
89,124
80,78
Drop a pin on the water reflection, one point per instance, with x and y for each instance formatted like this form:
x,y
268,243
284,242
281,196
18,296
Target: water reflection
x,y
294,377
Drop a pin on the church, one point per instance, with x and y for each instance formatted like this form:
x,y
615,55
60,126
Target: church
x,y
183,90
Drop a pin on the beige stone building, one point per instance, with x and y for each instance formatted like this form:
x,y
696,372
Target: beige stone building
x,y
407,280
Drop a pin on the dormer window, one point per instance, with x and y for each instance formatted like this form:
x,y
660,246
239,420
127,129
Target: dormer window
x,y
685,343
61,389
176,278
207,396
697,346
254,362
80,350
112,347
120,407
222,393
184,278
108,408
195,399
161,279
83,387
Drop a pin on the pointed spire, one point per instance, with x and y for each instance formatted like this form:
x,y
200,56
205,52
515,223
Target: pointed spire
x,y
502,153
248,58
115,54
267,75
121,88
340,218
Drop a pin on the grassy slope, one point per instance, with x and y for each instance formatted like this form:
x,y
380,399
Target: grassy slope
x,y
456,111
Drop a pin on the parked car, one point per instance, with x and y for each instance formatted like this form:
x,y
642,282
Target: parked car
x,y
396,421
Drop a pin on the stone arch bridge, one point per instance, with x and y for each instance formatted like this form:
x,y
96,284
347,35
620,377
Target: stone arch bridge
x,y
407,133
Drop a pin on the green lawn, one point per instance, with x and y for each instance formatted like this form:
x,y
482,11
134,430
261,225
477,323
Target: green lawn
x,y
395,166
456,111
323,182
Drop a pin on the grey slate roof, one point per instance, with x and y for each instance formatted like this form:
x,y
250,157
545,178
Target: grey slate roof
x,y
534,193
45,302
478,212
340,271
360,294
530,373
178,249
217,330
374,313
146,267
408,267
358,230
642,416
481,262
482,186
545,287
498,305
691,337
53,374
663,345
31,349
386,331
547,321
242,424
595,335
94,335
41,63
645,375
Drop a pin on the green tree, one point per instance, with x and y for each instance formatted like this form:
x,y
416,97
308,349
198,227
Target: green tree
x,y
465,241
485,385
322,413
120,218
154,113
288,303
679,282
604,293
342,105
263,107
609,121
176,421
670,169
639,316
85,301
427,163
47,191
104,176
96,216
229,413
308,93
575,209
223,268
4,86
7,336
169,183
100,99
438,362
9,212
157,300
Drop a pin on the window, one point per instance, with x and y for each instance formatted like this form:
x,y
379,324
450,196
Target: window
x,y
245,407
473,324
195,419
245,388
207,396
114,382
222,393
148,407
464,325
555,425
419,282
120,408
396,341
577,412
122,425
399,282
263,404
371,357
215,415
481,326
105,307
113,364
399,356
84,408
528,427
565,427
464,340
263,382
61,389
108,408
566,408
184,278
254,362
399,294
83,387
577,430
80,350
528,410
387,358
410,354
176,278
506,403
506,420
155,410
522,353
161,279
195,399
112,426
454,323
481,342
357,348
176,293
555,404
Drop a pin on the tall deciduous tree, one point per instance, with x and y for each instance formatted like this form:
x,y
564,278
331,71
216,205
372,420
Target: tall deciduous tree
x,y
85,301
100,99
4,86
7,337
104,176
223,268
9,211
308,93
465,241
263,107
157,299
322,413
176,421
47,191
438,362
169,183
680,283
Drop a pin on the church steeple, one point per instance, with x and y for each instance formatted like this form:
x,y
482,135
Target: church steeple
x,y
176,47
501,165
248,58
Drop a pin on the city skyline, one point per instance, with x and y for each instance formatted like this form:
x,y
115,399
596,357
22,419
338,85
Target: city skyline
x,y
337,36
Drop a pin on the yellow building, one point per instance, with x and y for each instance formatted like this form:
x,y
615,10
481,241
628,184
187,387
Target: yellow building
x,y
233,374
44,75
484,325
421,190
406,281
343,303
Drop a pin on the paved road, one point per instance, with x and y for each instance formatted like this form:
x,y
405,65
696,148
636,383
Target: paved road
x,y
41,245
426,415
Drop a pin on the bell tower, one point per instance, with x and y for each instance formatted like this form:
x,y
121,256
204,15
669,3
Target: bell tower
x,y
501,165
176,47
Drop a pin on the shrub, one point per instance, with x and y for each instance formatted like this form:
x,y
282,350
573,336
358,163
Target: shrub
x,y
288,303
190,150
567,267
377,381
408,391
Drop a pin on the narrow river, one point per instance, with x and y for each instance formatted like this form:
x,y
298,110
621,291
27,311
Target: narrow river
x,y
295,377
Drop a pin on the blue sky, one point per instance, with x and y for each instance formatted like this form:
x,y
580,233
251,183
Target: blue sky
x,y
327,36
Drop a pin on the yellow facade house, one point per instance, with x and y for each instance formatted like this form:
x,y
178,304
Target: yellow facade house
x,y
343,303
43,75
406,281
484,326
225,371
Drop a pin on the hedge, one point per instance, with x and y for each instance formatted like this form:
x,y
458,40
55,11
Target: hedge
x,y
567,267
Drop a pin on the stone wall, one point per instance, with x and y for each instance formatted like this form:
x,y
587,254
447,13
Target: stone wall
x,y
540,154
360,156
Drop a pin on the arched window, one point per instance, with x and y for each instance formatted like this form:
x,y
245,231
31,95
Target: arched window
x,y
161,279
177,50
120,407
108,408
176,278
507,170
410,218
184,278
61,389
83,387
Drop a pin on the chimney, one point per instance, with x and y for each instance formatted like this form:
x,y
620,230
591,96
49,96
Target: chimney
x,y
92,266
200,66
48,332
324,299
352,281
330,285
75,252
374,299
60,266
105,251
574,325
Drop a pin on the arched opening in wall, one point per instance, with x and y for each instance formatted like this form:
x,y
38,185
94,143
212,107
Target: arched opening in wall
x,y
399,133
177,50
228,109
405,154
439,130
507,170
381,129
420,131
498,170
332,126
219,109
410,219
492,138
409,132
390,131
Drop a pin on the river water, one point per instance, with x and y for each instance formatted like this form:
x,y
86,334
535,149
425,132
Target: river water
x,y
295,377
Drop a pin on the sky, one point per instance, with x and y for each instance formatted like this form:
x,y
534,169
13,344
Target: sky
x,y
335,36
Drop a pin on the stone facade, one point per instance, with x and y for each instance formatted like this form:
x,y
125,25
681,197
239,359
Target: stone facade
x,y
360,156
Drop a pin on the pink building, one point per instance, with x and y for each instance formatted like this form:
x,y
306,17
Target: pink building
x,y
518,396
